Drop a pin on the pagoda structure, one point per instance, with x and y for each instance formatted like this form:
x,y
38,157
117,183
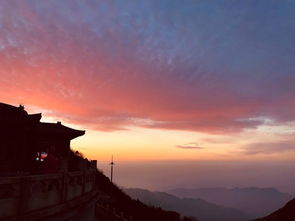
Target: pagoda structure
x,y
23,138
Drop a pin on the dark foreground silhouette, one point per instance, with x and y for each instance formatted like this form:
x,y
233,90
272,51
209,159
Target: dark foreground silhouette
x,y
287,213
42,178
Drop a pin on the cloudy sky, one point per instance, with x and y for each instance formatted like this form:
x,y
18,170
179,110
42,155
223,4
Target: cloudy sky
x,y
156,79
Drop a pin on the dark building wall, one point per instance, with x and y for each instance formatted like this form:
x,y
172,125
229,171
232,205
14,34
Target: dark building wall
x,y
22,136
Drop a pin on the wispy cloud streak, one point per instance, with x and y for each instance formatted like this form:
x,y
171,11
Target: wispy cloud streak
x,y
189,146
214,68
267,148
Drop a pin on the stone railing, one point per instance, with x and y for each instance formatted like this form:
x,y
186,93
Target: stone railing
x,y
44,195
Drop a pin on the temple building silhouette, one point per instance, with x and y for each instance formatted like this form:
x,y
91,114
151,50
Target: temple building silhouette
x,y
41,178
23,138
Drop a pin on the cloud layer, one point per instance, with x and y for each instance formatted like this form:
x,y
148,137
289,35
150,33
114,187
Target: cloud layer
x,y
193,65
268,148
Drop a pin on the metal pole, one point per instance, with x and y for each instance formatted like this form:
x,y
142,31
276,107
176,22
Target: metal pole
x,y
112,169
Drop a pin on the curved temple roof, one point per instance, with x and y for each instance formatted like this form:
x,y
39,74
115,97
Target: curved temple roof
x,y
9,112
58,128
14,115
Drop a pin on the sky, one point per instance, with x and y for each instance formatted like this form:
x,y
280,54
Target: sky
x,y
156,79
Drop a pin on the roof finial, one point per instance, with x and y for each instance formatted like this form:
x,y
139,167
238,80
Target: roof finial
x,y
21,107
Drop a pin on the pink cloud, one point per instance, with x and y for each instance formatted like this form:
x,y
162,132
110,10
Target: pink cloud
x,y
99,79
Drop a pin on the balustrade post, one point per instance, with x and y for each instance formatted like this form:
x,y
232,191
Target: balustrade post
x,y
24,195
83,182
93,180
64,190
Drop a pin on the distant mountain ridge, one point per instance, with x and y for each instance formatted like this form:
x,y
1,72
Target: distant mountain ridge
x,y
198,208
255,202
116,201
287,213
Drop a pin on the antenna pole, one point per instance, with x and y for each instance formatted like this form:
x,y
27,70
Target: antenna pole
x,y
112,168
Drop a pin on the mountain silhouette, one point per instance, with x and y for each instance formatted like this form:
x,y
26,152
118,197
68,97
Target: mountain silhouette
x,y
198,208
121,202
287,213
253,201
